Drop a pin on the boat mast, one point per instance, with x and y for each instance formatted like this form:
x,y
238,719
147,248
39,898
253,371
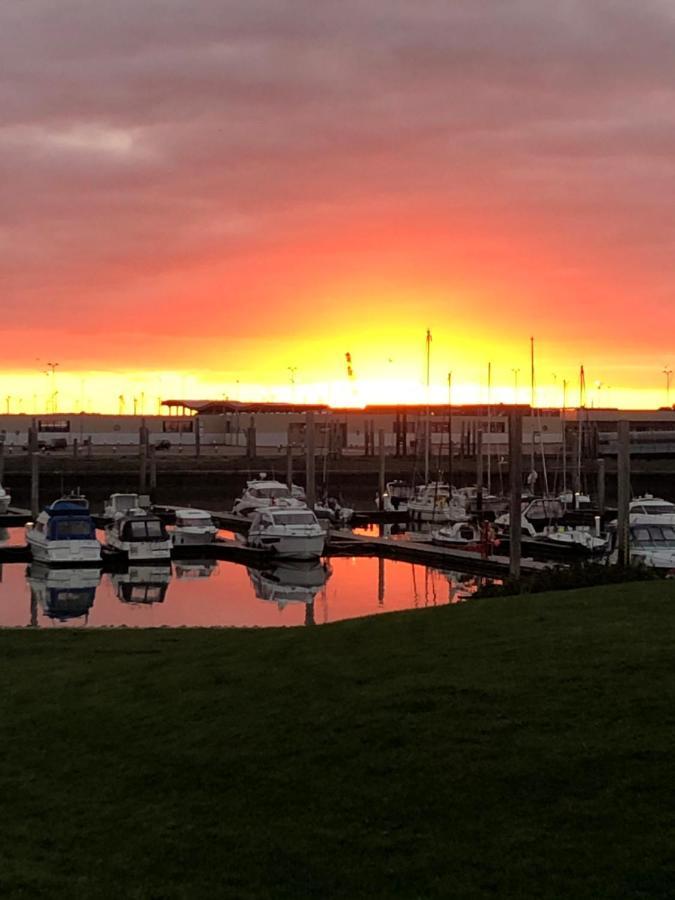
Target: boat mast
x,y
564,436
489,424
449,428
427,436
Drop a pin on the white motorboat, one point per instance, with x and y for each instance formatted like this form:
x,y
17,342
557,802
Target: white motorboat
x,y
652,546
397,494
294,533
138,535
290,582
193,526
576,537
63,594
463,535
650,510
535,510
64,533
435,503
5,500
142,584
263,493
118,504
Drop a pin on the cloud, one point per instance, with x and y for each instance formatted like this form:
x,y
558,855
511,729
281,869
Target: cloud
x,y
163,155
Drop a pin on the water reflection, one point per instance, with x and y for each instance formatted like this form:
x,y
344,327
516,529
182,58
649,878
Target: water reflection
x,y
142,584
201,568
290,582
205,593
62,594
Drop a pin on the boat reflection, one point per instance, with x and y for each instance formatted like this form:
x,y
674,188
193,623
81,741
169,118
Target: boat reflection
x,y
190,569
295,581
63,594
142,584
462,585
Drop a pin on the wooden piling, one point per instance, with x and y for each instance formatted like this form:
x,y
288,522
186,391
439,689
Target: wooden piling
x,y
516,487
479,471
198,437
601,486
75,448
34,483
2,461
142,468
289,464
382,477
152,456
623,494
310,474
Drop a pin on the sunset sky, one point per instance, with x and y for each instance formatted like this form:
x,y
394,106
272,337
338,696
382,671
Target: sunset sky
x,y
214,198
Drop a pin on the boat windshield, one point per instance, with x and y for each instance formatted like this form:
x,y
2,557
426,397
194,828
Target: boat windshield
x,y
656,509
71,529
301,519
273,493
143,530
193,521
663,535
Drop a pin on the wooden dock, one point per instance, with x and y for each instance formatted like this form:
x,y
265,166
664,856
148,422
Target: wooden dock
x,y
344,543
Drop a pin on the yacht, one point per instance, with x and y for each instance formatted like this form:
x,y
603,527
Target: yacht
x,y
263,493
64,533
650,510
294,533
138,535
142,584
5,500
436,503
63,594
290,582
193,526
118,504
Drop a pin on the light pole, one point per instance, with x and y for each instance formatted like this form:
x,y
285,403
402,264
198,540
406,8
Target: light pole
x,y
292,370
667,371
52,368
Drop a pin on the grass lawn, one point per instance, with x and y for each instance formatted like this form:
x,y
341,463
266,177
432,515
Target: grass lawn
x,y
515,747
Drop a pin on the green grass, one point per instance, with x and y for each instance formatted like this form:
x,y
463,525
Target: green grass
x,y
517,747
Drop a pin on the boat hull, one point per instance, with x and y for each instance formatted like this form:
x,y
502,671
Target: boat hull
x,y
140,551
290,546
64,551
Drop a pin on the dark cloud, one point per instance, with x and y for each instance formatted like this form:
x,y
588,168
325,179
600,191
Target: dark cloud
x,y
144,139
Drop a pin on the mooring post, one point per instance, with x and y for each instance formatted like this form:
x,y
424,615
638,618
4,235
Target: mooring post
x,y
516,487
34,483
623,494
198,437
152,456
601,486
479,471
310,476
75,448
251,449
382,481
142,468
2,461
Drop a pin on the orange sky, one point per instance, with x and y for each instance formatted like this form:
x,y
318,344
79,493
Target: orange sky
x,y
196,203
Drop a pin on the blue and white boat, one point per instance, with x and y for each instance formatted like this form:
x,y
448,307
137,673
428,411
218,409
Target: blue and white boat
x,y
64,533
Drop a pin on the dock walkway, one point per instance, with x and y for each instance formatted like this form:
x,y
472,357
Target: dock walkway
x,y
424,552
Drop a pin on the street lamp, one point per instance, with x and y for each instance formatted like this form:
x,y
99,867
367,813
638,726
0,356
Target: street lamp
x,y
516,372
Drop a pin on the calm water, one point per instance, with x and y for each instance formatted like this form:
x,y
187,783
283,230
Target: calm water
x,y
208,593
